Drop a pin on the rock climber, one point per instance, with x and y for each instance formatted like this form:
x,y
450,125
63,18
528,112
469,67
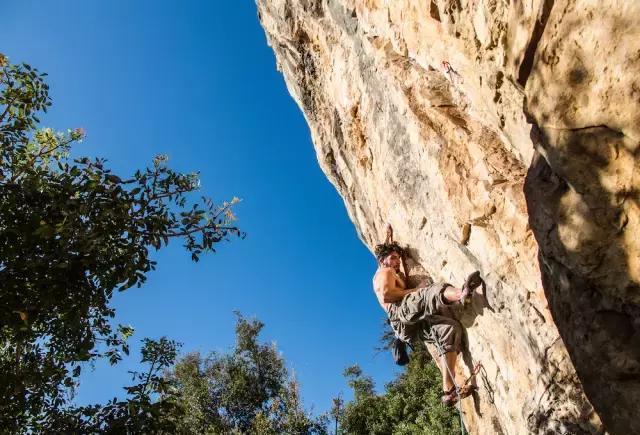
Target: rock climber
x,y
414,311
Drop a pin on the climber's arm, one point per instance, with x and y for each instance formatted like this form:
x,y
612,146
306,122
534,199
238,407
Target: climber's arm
x,y
390,291
405,272
402,280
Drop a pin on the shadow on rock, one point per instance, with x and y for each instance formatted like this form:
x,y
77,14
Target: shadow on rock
x,y
580,218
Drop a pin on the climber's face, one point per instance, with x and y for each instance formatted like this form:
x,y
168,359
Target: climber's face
x,y
392,260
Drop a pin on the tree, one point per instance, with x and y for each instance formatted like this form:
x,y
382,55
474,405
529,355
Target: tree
x,y
71,233
336,411
151,405
247,390
410,404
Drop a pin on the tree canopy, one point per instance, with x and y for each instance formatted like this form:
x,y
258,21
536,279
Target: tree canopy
x,y
72,233
409,405
247,390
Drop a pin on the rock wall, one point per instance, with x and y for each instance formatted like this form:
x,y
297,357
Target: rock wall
x,y
501,136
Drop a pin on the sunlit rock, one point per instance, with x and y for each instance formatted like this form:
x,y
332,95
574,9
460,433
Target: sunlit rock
x,y
498,136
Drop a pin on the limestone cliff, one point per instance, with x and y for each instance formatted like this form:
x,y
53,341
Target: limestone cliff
x,y
501,136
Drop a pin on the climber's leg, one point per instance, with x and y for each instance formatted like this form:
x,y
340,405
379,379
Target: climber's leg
x,y
448,333
448,368
442,362
451,294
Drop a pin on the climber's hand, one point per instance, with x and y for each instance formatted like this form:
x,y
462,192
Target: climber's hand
x,y
389,234
402,276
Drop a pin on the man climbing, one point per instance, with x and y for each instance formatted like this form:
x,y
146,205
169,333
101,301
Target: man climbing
x,y
414,313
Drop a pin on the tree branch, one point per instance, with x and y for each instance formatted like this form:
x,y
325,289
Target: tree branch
x,y
43,152
166,194
186,233
6,110
146,382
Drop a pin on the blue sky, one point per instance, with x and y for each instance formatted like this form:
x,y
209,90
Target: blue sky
x,y
197,81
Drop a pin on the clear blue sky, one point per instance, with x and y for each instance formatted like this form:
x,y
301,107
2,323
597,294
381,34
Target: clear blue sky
x,y
197,81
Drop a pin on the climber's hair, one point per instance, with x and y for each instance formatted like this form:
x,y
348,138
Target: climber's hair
x,y
384,249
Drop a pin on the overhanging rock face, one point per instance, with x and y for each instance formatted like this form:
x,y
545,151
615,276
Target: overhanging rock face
x,y
500,136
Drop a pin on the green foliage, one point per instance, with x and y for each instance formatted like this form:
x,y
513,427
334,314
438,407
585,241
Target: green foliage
x,y
71,233
247,390
151,405
410,404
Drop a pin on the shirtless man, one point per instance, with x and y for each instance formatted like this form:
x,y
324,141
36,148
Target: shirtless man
x,y
412,311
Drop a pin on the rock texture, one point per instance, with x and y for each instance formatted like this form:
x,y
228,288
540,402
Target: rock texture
x,y
501,136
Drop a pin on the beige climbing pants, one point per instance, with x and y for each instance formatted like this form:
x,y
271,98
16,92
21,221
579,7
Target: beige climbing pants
x,y
424,310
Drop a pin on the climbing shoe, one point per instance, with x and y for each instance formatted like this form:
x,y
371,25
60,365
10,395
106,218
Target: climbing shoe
x,y
451,397
473,282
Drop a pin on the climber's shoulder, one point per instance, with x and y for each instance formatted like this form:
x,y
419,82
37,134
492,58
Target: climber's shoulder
x,y
384,274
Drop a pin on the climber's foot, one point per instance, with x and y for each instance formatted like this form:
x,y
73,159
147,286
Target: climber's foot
x,y
473,282
450,398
